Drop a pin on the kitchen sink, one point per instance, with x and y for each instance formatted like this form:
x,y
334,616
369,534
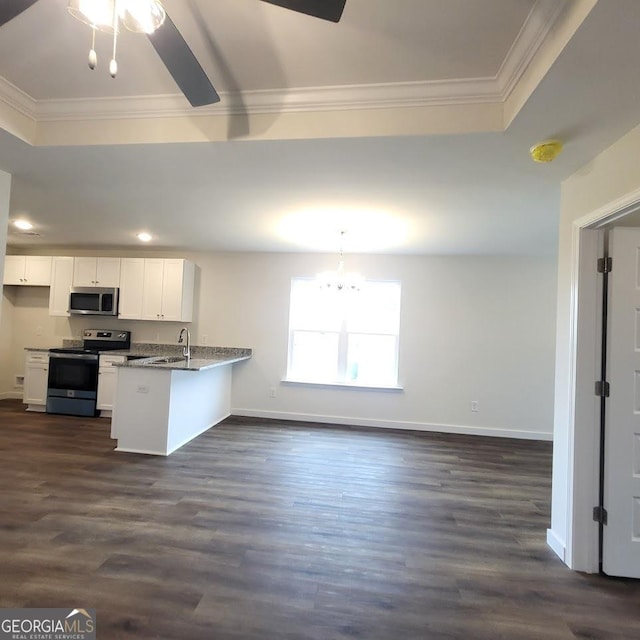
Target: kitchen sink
x,y
168,360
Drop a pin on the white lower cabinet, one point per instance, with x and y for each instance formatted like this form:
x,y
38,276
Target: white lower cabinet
x,y
107,381
36,374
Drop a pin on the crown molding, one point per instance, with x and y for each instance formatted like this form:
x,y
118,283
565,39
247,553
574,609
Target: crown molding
x,y
17,99
335,98
535,31
447,93
17,112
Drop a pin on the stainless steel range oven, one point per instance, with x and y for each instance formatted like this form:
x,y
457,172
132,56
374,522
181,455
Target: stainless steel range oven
x,y
73,372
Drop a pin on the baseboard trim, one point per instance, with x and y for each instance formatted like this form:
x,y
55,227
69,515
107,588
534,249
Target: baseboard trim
x,y
557,546
392,424
11,395
147,452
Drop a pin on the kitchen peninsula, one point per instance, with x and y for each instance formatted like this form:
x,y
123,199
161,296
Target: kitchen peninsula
x,y
166,400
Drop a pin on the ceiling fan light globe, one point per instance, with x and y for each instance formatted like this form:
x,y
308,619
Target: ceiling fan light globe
x,y
95,13
142,16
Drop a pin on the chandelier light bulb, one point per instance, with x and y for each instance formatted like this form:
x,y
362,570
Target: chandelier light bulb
x,y
340,279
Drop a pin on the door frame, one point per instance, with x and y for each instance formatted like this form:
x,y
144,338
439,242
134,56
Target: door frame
x,y
587,244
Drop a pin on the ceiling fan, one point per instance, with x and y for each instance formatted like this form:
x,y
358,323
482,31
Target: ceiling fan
x,y
175,52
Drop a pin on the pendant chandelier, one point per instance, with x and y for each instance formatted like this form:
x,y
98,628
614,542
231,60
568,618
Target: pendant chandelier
x,y
340,279
139,16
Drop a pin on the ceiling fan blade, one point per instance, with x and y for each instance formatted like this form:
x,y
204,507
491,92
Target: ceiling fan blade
x,y
325,9
9,9
183,65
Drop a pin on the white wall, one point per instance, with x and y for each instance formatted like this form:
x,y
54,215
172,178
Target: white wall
x,y
5,192
472,328
5,324
609,177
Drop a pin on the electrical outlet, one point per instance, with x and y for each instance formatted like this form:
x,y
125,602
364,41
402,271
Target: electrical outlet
x,y
205,339
142,388
272,392
474,406
39,331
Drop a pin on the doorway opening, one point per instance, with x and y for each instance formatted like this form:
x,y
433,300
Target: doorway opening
x,y
586,325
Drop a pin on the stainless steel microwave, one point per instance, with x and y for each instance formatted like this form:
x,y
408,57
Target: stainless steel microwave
x,y
93,301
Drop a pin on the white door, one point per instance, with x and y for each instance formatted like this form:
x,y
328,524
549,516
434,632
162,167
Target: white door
x,y
621,541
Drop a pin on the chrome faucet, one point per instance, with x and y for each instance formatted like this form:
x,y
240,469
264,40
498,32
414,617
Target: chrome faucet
x,y
186,349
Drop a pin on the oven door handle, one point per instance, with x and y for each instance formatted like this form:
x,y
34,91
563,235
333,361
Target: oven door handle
x,y
75,356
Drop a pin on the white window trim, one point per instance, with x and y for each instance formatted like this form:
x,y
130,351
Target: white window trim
x,y
342,385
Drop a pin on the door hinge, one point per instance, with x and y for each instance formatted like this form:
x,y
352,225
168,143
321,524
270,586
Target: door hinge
x,y
605,265
600,515
602,389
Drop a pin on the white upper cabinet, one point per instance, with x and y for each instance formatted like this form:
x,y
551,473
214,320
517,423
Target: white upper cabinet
x,y
96,272
27,270
168,290
132,283
61,281
157,289
150,288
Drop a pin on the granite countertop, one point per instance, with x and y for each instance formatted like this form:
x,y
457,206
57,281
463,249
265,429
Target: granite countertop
x,y
177,363
148,354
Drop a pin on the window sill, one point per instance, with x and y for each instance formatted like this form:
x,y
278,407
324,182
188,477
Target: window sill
x,y
343,385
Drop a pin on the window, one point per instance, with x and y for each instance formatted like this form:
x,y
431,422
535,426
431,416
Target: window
x,y
344,337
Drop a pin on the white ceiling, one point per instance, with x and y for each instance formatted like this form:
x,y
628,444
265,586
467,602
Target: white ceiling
x,y
406,124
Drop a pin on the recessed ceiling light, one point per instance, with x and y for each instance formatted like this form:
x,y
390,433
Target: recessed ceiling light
x,y
143,236
25,225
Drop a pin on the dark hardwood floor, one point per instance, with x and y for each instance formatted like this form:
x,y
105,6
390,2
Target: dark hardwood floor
x,y
259,530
